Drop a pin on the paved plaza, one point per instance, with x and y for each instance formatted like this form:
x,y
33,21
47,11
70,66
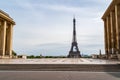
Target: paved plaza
x,y
25,71
58,75
58,61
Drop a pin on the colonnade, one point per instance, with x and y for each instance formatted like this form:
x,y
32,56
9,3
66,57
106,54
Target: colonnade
x,y
111,20
6,33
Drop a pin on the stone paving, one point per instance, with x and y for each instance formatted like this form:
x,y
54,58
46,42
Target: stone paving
x,y
58,75
58,61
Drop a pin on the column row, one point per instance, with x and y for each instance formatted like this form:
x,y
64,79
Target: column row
x,y
6,30
112,32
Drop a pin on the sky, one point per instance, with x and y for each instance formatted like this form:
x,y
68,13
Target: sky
x,y
45,26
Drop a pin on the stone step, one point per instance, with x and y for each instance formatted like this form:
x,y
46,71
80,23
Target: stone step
x,y
61,67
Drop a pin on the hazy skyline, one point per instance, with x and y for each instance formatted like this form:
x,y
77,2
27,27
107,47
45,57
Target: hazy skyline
x,y
45,26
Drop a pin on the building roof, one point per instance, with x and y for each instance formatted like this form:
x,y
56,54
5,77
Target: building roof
x,y
5,16
110,8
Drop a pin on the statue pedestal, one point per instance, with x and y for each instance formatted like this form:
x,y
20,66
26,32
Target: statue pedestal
x,y
113,56
118,55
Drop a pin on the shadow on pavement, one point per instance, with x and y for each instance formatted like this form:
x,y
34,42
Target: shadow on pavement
x,y
114,71
115,74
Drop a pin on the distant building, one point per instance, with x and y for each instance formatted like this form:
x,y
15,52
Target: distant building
x,y
6,35
22,57
95,56
111,20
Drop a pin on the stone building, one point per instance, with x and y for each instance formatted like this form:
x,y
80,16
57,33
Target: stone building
x,y
111,20
6,33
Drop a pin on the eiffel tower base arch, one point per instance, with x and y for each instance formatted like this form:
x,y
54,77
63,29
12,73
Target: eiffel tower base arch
x,y
74,54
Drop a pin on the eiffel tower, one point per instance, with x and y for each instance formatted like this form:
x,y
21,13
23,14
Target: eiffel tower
x,y
74,51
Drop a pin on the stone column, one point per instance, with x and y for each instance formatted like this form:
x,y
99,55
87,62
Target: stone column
x,y
10,40
105,36
113,31
7,41
108,35
0,38
3,38
117,18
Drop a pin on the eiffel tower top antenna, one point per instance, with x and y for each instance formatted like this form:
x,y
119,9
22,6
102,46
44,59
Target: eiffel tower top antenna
x,y
74,30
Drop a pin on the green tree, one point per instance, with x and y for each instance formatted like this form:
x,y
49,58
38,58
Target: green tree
x,y
31,56
14,53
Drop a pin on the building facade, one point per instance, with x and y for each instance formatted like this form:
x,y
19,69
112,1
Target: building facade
x,y
6,33
111,20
